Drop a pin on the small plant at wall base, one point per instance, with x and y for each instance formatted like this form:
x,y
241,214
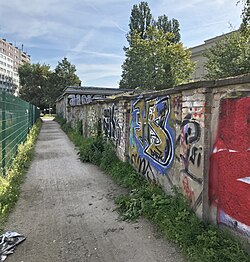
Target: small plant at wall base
x,y
10,185
171,214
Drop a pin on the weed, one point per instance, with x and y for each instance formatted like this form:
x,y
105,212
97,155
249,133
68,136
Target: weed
x,y
79,129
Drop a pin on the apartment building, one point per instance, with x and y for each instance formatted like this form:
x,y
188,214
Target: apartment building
x,y
11,57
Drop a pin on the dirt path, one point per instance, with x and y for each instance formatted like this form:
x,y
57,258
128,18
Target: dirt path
x,y
66,211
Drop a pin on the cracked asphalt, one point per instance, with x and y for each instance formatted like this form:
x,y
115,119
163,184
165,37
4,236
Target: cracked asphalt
x,y
67,212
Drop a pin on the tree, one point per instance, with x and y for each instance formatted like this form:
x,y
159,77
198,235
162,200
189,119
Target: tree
x,y
230,56
140,20
34,79
66,73
149,62
245,25
63,75
246,13
41,86
156,62
172,26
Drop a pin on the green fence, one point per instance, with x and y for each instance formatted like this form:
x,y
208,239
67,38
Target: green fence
x,y
16,119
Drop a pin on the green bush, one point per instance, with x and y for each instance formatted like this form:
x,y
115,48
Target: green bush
x,y
109,158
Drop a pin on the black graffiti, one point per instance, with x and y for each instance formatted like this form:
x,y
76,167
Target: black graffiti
x,y
195,157
191,133
144,167
191,129
111,125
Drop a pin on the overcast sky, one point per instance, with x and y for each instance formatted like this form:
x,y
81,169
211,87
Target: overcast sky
x,y
92,33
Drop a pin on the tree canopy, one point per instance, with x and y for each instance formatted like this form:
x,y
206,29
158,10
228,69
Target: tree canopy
x,y
66,73
141,20
156,62
41,86
245,17
34,80
63,75
169,26
155,58
230,56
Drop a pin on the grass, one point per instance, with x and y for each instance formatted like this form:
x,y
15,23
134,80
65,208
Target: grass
x,y
11,183
170,213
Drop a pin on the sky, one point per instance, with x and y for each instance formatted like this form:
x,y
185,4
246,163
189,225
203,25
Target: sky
x,y
92,33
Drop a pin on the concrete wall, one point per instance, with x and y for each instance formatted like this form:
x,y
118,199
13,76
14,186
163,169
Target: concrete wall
x,y
229,176
195,137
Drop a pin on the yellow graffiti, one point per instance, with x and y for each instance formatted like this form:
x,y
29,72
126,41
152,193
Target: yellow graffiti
x,y
140,121
157,136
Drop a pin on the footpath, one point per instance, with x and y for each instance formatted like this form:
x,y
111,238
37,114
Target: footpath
x,y
67,213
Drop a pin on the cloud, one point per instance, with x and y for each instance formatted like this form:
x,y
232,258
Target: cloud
x,y
95,73
119,27
100,54
83,41
200,19
92,33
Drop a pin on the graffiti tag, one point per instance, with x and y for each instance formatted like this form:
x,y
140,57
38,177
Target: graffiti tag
x,y
150,134
77,100
111,126
190,134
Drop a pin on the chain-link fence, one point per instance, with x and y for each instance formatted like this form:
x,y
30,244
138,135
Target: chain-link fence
x,y
16,119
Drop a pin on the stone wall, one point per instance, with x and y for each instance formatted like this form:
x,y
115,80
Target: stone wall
x,y
195,136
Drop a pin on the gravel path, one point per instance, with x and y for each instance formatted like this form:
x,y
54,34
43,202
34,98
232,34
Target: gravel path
x,y
66,211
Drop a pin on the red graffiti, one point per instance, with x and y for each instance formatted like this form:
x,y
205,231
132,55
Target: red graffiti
x,y
187,190
229,181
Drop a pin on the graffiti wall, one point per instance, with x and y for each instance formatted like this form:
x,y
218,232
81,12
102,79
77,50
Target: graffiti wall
x,y
165,142
111,125
195,136
151,138
77,100
229,181
191,148
114,125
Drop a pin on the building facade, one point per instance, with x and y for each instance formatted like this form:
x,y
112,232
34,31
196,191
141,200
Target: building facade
x,y
11,57
199,59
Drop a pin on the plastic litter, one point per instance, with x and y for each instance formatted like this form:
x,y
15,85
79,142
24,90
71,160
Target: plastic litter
x,y
8,243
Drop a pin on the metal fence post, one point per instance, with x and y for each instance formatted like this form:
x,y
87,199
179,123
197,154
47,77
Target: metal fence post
x,y
33,114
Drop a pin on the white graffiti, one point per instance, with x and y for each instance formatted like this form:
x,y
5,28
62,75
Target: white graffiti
x,y
77,100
